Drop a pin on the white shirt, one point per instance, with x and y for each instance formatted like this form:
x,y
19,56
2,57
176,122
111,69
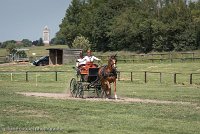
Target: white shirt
x,y
89,58
80,62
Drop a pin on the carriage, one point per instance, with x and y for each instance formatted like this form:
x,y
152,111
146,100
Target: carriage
x,y
87,80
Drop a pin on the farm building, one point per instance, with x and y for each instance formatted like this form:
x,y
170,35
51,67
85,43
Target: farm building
x,y
63,56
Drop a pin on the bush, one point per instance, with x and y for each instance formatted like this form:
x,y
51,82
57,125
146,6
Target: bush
x,y
81,42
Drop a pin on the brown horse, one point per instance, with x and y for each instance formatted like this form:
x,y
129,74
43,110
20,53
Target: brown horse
x,y
108,74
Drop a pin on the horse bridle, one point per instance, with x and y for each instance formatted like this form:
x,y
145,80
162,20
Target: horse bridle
x,y
114,62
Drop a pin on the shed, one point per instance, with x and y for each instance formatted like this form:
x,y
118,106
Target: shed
x,y
63,56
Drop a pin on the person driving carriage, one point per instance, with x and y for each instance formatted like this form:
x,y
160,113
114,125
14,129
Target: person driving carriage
x,y
85,64
89,57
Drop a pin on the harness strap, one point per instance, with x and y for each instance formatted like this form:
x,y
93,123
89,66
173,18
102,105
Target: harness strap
x,y
109,74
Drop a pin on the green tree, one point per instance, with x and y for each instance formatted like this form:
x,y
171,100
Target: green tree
x,y
195,13
11,48
139,25
103,18
69,28
81,42
26,43
4,44
40,42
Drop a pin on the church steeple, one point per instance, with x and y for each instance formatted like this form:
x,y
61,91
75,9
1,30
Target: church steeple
x,y
46,35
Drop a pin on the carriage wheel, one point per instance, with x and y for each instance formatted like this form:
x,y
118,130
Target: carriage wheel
x,y
80,91
73,87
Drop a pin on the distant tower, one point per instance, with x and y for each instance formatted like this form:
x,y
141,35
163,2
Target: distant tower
x,y
46,35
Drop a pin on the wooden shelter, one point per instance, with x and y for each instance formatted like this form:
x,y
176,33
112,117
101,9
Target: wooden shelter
x,y
63,56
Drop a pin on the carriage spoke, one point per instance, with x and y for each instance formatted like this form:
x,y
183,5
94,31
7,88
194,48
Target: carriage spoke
x,y
73,87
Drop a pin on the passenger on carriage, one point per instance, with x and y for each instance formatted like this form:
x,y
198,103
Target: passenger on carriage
x,y
79,61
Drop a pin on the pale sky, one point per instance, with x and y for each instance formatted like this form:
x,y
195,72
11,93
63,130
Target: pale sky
x,y
25,19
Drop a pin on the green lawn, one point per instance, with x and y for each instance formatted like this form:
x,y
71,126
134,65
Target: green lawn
x,y
18,112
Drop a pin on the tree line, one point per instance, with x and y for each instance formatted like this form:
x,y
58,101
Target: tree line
x,y
22,43
133,25
12,45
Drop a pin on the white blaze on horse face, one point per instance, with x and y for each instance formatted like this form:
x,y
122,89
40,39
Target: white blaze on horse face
x,y
114,63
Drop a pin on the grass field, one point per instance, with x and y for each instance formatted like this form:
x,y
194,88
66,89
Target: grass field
x,y
39,50
23,115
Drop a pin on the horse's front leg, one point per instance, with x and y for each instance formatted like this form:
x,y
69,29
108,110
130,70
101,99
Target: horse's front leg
x,y
115,89
103,87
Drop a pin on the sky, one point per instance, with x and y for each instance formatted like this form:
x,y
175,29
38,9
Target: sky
x,y
25,19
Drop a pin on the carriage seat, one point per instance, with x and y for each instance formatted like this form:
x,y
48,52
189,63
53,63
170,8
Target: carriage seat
x,y
84,68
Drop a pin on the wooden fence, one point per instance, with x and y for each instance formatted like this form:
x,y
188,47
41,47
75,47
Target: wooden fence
x,y
153,57
131,58
131,76
188,77
26,75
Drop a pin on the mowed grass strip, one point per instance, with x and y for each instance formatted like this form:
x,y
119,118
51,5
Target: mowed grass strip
x,y
82,116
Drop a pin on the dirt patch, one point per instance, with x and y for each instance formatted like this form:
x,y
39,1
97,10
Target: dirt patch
x,y
67,96
49,95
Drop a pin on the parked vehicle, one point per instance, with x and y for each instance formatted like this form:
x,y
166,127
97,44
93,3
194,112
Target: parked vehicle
x,y
43,61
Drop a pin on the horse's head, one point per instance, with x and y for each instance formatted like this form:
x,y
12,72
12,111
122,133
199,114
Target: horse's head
x,y
113,61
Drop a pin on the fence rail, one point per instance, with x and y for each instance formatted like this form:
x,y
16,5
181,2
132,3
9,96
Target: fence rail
x,y
189,77
27,75
153,57
131,76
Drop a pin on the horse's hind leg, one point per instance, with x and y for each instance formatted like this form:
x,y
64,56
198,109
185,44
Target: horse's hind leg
x,y
102,93
109,92
105,91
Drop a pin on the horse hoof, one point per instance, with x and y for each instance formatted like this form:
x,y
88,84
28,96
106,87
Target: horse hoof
x,y
115,97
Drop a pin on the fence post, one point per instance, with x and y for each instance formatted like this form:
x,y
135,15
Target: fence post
x,y
145,77
56,75
160,77
192,56
11,76
36,79
27,76
174,78
118,76
170,56
131,76
190,78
